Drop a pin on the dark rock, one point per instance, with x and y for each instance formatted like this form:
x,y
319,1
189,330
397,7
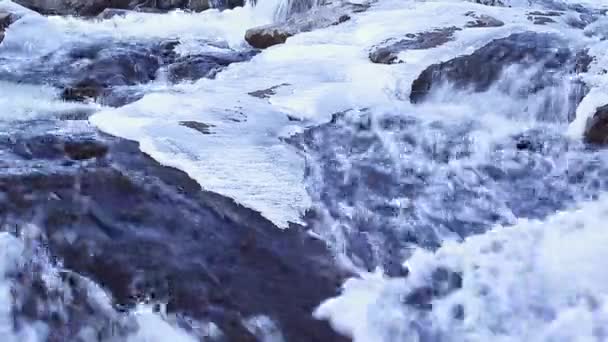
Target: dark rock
x,y
106,72
537,20
500,3
72,7
478,71
149,233
266,36
6,19
596,131
267,93
198,66
387,52
82,92
85,149
110,13
482,20
545,13
109,8
197,126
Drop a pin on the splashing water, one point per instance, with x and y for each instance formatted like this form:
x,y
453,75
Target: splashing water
x,y
487,194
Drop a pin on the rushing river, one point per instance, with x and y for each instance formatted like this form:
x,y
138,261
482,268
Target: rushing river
x,y
451,182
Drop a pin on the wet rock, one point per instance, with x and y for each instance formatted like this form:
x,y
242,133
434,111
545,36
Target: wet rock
x,y
107,72
387,52
596,131
581,21
477,72
545,13
266,36
109,8
110,13
267,93
72,7
82,92
197,126
538,20
482,20
500,3
149,233
198,66
85,149
6,19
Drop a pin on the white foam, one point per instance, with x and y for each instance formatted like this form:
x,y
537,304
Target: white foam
x,y
326,71
16,103
535,281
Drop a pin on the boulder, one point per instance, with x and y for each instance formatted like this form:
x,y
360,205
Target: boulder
x,y
317,18
192,68
388,51
596,131
545,54
148,233
73,7
6,19
96,7
107,71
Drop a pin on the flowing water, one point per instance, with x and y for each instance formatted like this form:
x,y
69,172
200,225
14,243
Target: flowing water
x,y
472,213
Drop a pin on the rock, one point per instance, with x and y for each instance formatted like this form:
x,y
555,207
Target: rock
x,y
198,66
197,126
500,3
113,7
202,5
6,19
72,7
105,72
110,13
550,57
482,20
387,52
85,149
538,20
149,233
267,93
266,36
82,92
545,13
596,131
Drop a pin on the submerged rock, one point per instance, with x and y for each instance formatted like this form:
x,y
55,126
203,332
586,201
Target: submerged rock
x,y
387,52
597,127
149,233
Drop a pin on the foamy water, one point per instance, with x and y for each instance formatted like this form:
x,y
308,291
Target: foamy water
x,y
522,280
